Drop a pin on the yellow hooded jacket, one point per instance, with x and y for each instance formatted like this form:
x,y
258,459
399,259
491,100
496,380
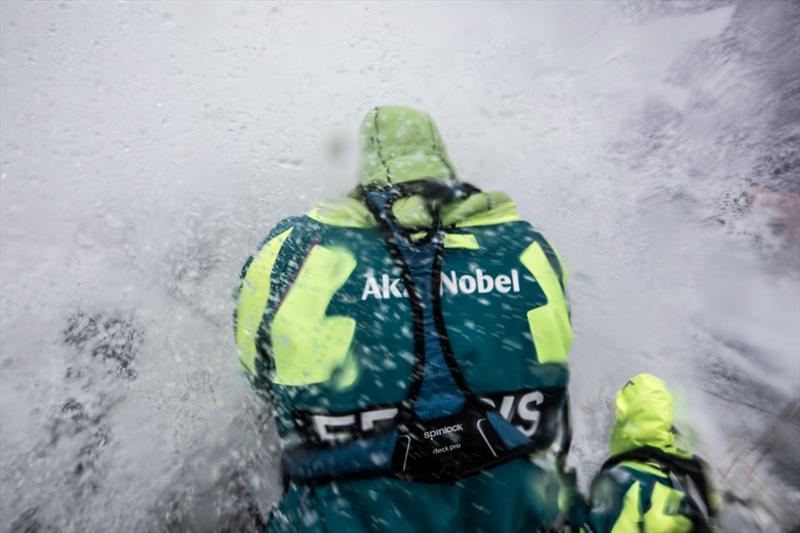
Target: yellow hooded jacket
x,y
639,495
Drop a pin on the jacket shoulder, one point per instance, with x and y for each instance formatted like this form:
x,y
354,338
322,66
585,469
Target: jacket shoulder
x,y
299,224
294,226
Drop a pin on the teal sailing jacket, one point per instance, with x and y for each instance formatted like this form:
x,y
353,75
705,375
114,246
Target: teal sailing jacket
x,y
331,326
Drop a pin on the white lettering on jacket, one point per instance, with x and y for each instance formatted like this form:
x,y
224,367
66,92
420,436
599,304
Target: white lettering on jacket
x,y
443,431
384,288
522,410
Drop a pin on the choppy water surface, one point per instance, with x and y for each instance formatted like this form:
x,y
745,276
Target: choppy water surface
x,y
148,147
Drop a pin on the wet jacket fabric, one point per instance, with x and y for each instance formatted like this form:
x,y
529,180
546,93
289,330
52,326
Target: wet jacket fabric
x,y
641,495
323,328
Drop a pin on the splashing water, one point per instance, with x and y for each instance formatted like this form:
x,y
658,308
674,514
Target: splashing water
x,y
147,148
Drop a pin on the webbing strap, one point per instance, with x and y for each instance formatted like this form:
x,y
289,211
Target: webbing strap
x,y
438,394
361,458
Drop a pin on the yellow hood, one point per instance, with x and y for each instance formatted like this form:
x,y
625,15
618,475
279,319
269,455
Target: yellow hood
x,y
644,417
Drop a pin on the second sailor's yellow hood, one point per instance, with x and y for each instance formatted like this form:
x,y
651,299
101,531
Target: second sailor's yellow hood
x,y
644,417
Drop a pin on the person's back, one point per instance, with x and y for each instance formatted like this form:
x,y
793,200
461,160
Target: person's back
x,y
649,484
413,338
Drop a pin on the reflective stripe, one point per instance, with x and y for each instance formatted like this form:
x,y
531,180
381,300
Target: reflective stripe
x,y
549,323
308,346
645,468
345,213
505,212
663,515
461,240
454,240
629,520
253,299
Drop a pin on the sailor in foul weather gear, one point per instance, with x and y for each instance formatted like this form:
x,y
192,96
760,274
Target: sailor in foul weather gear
x,y
413,338
650,484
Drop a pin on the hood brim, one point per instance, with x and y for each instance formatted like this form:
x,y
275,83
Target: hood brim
x,y
414,167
